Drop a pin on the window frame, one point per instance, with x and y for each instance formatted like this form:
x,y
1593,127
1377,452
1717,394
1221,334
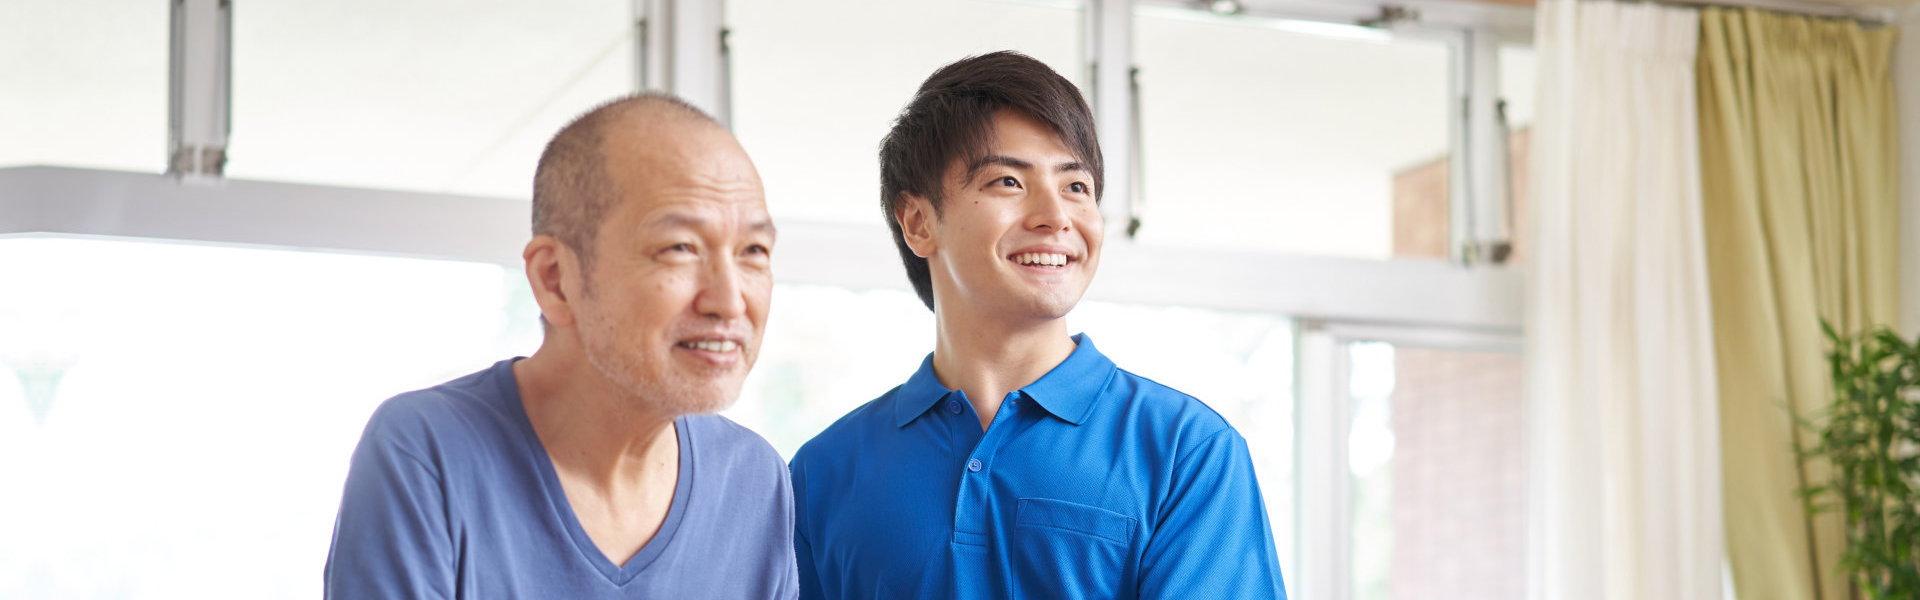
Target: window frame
x,y
1333,300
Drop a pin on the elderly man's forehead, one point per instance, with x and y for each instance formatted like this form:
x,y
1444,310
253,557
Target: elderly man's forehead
x,y
666,148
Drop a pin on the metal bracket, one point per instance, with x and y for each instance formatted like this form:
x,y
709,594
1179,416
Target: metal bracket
x,y
199,86
1391,15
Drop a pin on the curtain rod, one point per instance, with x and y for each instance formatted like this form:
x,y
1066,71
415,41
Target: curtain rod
x,y
1865,15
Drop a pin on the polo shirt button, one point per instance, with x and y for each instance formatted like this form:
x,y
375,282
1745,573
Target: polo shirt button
x,y
973,464
953,406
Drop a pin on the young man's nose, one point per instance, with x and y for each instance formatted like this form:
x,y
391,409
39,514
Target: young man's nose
x,y
1047,208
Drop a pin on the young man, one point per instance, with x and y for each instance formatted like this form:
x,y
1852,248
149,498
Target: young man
x,y
590,470
1019,462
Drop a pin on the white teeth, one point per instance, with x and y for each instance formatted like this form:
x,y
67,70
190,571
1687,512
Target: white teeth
x,y
720,346
1050,259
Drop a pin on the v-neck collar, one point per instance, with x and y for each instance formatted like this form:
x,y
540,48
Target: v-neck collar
x,y
562,510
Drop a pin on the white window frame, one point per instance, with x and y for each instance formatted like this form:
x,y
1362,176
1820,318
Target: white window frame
x,y
682,50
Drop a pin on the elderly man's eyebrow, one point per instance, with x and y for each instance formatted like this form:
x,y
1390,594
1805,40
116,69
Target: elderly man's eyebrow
x,y
679,221
687,221
763,226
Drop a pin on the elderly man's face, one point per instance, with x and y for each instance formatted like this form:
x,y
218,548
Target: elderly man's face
x,y
681,276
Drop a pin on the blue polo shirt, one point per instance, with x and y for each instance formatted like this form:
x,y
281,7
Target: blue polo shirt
x,y
1090,483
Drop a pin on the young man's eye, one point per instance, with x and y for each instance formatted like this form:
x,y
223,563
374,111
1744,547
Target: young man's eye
x,y
1077,187
1008,182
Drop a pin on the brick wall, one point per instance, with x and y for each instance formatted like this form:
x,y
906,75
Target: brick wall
x,y
1459,468
1459,476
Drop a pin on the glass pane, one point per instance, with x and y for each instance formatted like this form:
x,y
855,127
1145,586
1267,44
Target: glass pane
x,y
829,350
816,84
1420,223
85,84
1439,468
175,420
1246,144
426,95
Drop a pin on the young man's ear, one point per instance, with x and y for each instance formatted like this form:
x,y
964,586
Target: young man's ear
x,y
553,270
915,215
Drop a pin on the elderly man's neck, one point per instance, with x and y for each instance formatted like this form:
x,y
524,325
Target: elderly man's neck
x,y
590,427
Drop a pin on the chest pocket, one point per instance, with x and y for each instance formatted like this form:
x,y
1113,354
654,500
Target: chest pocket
x,y
1067,550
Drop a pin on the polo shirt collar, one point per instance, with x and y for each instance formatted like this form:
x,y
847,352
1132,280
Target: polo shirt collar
x,y
1067,392
1070,389
921,392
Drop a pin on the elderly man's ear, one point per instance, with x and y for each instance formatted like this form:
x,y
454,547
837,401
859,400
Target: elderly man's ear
x,y
553,270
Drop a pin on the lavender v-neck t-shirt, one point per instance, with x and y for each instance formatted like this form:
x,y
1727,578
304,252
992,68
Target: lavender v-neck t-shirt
x,y
451,495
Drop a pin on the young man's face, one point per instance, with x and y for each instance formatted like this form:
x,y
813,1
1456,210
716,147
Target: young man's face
x,y
1017,239
682,274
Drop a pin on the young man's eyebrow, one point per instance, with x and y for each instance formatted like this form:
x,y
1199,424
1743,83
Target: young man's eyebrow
x,y
996,159
1008,161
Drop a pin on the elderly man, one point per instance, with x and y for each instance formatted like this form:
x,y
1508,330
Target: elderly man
x,y
1018,461
592,469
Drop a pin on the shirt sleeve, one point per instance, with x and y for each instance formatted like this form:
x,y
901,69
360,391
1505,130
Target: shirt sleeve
x,y
391,538
1213,539
789,574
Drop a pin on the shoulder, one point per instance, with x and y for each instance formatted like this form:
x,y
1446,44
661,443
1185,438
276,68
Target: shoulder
x,y
1166,408
848,433
427,421
1164,416
718,439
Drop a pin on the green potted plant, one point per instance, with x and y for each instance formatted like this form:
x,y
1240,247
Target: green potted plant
x,y
1870,437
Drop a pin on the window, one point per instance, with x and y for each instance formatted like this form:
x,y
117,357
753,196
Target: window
x,y
827,351
1284,136
185,413
422,95
1439,473
817,84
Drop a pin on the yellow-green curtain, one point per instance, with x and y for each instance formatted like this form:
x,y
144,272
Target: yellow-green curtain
x,y
1798,155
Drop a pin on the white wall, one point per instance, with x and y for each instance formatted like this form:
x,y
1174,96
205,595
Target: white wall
x,y
1906,80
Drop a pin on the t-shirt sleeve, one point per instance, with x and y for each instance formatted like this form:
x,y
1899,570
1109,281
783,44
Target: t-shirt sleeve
x,y
790,576
391,538
1213,540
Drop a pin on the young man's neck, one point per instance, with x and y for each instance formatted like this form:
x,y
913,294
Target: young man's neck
x,y
987,359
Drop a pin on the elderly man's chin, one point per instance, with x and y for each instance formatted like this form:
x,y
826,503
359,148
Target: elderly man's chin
x,y
705,397
678,388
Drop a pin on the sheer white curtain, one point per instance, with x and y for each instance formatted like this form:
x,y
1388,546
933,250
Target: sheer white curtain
x,y
1624,437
